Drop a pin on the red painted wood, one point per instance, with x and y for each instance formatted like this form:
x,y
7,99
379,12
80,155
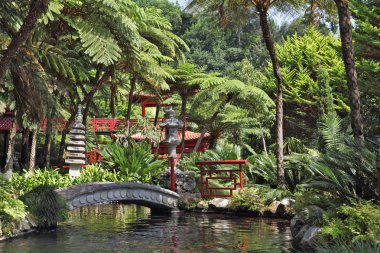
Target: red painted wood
x,y
222,162
210,174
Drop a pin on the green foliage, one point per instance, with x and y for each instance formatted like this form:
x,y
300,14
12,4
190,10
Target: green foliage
x,y
96,173
343,247
133,160
11,208
25,182
46,206
248,199
257,198
356,222
330,128
313,77
311,197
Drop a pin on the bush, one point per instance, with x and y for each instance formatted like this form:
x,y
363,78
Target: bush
x,y
133,160
257,198
357,222
12,210
357,247
27,181
46,206
248,199
95,173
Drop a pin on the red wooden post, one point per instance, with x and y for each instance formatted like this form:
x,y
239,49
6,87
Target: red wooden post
x,y
241,177
200,167
172,173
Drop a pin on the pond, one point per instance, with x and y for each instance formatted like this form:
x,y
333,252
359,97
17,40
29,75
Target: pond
x,y
131,228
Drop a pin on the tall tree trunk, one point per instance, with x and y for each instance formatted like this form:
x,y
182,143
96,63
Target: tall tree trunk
x,y
48,132
112,100
87,100
37,8
349,64
25,147
314,15
8,168
279,103
33,147
130,100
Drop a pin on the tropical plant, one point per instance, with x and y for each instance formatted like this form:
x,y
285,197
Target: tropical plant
x,y
12,210
96,173
347,168
27,181
46,206
358,221
133,160
343,247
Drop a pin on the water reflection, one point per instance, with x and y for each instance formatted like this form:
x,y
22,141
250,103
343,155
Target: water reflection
x,y
131,228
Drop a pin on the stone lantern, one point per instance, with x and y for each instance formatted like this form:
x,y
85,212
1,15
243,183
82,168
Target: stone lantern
x,y
76,148
171,141
171,126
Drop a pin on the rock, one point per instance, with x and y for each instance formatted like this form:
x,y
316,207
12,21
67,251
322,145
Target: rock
x,y
273,207
295,225
189,200
296,243
312,213
184,181
32,223
310,238
202,205
219,203
24,225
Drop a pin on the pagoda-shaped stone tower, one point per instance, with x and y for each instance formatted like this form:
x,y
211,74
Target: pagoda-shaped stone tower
x,y
76,148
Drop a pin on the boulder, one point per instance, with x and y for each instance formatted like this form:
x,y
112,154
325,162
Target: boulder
x,y
189,200
295,225
312,213
286,205
184,180
273,207
310,238
24,225
298,237
32,223
202,205
219,204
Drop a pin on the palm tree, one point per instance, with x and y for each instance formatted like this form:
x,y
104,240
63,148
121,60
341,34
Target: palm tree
x,y
37,8
262,7
229,91
345,29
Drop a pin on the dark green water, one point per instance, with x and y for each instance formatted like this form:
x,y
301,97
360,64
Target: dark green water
x,y
130,228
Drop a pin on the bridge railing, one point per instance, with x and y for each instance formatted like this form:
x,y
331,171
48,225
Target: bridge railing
x,y
209,174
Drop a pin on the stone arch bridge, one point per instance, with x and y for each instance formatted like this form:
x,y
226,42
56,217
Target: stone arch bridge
x,y
150,196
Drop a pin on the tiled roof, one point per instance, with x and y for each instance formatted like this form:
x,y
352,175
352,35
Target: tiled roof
x,y
189,136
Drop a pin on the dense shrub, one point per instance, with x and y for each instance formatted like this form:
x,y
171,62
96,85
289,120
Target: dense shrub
x,y
257,198
357,247
27,181
356,222
46,206
12,210
96,173
132,160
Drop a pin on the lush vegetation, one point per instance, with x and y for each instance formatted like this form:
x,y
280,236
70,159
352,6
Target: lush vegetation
x,y
293,99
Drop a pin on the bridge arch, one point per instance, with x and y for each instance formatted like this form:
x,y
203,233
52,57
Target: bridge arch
x,y
147,195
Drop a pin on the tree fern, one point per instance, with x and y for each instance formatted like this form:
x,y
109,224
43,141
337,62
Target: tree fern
x,y
330,128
